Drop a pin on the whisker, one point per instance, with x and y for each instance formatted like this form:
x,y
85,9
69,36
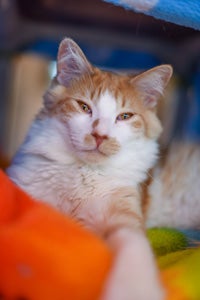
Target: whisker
x,y
152,177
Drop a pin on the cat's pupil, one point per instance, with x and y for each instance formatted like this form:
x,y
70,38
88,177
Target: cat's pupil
x,y
85,107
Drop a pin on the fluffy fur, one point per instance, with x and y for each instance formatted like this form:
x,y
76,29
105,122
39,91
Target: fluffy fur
x,y
174,190
88,151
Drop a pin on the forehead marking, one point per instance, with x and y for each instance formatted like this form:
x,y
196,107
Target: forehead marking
x,y
107,105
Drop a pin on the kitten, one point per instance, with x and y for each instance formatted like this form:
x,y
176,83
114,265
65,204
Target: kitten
x,y
87,152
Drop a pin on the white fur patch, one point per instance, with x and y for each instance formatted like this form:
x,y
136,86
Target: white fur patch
x,y
106,112
107,106
79,126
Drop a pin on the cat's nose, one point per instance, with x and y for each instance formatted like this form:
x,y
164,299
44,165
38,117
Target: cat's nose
x,y
99,138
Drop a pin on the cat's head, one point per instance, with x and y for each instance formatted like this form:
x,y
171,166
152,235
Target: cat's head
x,y
103,112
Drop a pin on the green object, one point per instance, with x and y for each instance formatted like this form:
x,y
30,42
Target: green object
x,y
166,240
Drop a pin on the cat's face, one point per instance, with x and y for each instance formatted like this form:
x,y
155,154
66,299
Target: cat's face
x,y
103,113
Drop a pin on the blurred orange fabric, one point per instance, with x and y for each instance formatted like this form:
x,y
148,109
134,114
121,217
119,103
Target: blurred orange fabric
x,y
44,254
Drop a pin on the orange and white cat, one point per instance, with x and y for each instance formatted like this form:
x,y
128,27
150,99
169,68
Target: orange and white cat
x,y
87,152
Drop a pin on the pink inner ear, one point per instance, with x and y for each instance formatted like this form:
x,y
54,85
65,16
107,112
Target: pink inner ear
x,y
71,62
152,83
67,70
151,101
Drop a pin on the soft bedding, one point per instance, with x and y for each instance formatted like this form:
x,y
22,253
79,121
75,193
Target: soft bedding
x,y
181,12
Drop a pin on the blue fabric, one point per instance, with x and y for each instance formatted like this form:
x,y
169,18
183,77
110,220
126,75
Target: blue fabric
x,y
192,124
193,236
182,12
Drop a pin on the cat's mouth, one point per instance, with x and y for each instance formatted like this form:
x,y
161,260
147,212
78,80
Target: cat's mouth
x,y
102,145
95,149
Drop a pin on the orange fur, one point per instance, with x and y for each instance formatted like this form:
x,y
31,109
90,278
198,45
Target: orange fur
x,y
91,87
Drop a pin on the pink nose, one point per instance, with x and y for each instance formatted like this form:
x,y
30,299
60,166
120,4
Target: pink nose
x,y
99,138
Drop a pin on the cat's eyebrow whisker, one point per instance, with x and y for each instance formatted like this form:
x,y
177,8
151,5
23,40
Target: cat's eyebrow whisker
x,y
75,208
77,98
151,176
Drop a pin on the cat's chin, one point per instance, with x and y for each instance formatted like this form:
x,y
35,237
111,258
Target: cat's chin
x,y
92,156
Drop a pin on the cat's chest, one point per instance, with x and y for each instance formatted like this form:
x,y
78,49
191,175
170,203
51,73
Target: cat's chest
x,y
66,187
81,192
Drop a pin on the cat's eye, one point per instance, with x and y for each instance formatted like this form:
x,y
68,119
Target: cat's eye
x,y
124,116
85,107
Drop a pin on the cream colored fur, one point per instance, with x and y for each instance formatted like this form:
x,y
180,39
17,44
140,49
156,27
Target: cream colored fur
x,y
175,189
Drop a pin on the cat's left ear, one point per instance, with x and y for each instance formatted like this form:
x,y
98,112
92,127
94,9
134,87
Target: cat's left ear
x,y
71,62
151,84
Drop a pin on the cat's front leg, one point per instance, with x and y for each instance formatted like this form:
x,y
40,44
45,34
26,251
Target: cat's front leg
x,y
134,275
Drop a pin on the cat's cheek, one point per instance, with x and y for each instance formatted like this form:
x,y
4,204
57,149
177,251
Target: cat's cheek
x,y
154,127
139,132
138,126
80,121
89,141
80,125
122,133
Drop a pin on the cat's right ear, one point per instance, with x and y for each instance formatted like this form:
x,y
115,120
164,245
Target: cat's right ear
x,y
151,84
71,62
